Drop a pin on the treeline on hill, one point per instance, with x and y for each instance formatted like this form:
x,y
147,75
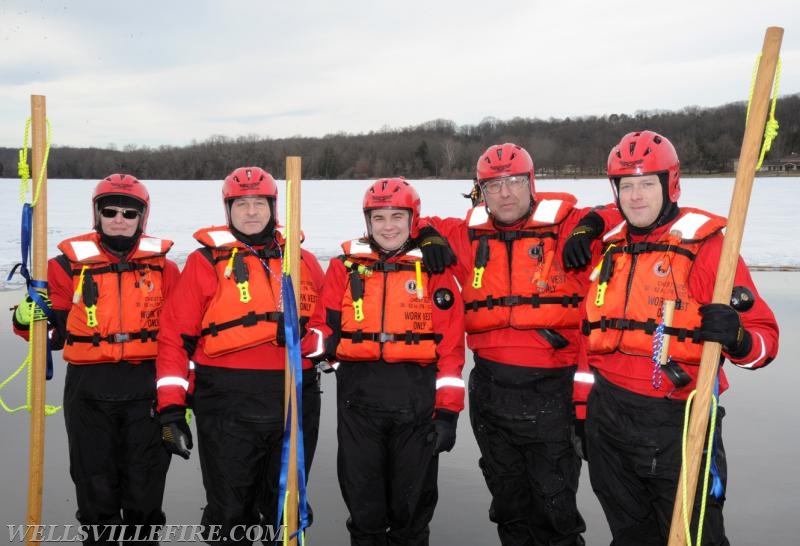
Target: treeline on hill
x,y
708,140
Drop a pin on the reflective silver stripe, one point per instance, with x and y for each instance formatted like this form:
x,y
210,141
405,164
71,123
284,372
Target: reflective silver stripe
x,y
689,224
319,348
449,382
191,364
172,382
222,237
150,244
546,210
84,249
761,355
610,234
584,377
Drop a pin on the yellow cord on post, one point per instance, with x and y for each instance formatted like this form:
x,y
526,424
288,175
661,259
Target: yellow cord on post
x,y
771,128
709,453
287,249
418,271
22,166
24,174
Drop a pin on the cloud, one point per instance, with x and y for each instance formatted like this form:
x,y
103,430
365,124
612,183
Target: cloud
x,y
158,73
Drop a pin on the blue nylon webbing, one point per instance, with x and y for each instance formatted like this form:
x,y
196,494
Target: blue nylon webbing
x,y
26,240
292,333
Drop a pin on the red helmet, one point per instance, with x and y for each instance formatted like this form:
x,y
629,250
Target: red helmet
x,y
393,193
246,181
127,188
506,160
642,153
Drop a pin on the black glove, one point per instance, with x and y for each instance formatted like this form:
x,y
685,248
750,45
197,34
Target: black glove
x,y
445,426
578,246
721,323
175,432
579,438
436,253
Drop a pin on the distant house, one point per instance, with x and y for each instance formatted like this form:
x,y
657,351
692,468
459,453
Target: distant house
x,y
790,163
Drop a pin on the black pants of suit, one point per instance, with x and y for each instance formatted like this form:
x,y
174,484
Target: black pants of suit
x,y
240,428
522,420
117,461
386,466
634,448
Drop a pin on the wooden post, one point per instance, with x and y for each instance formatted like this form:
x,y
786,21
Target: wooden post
x,y
293,172
666,320
748,158
38,327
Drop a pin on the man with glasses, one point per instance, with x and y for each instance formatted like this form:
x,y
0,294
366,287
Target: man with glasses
x,y
522,316
107,289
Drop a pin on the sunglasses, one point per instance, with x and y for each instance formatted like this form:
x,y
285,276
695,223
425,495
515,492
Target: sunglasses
x,y
128,214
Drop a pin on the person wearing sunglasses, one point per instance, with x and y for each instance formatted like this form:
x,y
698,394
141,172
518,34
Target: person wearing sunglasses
x,y
227,317
522,313
106,291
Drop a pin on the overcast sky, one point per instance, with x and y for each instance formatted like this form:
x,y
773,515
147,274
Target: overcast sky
x,y
169,72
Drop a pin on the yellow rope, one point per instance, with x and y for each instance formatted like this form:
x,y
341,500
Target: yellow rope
x,y
24,174
709,452
287,249
771,128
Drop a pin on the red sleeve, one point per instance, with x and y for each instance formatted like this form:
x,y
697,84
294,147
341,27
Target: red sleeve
x,y
330,301
583,381
312,343
449,323
181,315
609,213
759,320
171,277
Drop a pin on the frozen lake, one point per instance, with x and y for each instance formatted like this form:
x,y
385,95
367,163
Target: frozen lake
x,y
760,428
331,211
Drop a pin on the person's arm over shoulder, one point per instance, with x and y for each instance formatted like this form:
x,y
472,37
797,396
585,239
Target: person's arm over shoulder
x,y
758,322
179,328
584,228
447,227
448,321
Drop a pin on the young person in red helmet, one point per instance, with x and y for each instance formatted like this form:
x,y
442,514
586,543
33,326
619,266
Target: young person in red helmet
x,y
107,291
661,251
398,333
226,316
522,313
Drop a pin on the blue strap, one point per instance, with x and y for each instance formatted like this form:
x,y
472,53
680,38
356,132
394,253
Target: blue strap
x,y
717,488
26,240
292,333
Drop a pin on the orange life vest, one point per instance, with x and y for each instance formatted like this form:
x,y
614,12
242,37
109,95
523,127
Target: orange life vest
x,y
624,304
528,289
247,307
383,317
116,305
